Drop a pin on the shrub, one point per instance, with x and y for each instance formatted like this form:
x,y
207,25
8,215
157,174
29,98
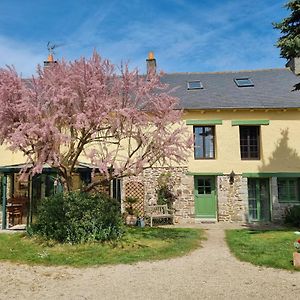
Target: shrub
x,y
292,215
164,191
78,217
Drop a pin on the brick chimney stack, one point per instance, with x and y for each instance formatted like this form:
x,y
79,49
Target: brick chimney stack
x,y
151,63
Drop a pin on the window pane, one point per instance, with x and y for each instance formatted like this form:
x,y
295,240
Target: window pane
x,y
203,142
288,189
200,190
209,147
249,142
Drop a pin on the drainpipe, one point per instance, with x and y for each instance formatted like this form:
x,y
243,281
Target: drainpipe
x,y
4,198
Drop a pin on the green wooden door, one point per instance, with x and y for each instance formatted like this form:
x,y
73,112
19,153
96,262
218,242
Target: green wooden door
x,y
259,199
205,197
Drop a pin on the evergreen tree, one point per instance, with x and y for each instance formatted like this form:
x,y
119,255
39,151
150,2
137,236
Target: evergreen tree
x,y
289,42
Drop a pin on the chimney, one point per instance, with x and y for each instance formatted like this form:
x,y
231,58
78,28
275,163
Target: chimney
x,y
151,63
50,60
294,65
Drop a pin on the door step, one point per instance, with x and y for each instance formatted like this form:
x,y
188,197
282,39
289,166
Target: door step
x,y
206,221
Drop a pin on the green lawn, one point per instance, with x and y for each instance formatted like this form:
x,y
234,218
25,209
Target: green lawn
x,y
136,245
271,248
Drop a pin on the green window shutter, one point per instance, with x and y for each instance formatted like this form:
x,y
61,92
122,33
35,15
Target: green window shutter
x,y
204,122
249,122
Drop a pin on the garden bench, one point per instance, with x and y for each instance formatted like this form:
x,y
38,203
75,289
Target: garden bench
x,y
158,212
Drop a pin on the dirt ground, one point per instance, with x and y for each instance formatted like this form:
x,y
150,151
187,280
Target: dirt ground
x,y
210,272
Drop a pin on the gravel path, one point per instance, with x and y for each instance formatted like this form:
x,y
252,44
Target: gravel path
x,y
210,272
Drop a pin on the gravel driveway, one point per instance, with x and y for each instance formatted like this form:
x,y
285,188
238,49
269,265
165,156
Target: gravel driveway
x,y
210,272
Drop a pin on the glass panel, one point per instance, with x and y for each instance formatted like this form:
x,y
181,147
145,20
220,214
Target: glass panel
x,y
195,85
264,199
203,142
287,189
243,82
252,198
208,189
200,190
249,142
201,181
198,137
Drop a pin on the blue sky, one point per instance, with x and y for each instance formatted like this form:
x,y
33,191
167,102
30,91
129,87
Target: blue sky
x,y
186,36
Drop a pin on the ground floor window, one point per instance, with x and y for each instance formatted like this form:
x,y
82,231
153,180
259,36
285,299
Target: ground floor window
x,y
288,189
116,189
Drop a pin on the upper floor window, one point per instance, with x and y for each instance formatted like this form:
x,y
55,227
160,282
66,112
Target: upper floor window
x,y
243,82
204,142
288,189
250,142
194,85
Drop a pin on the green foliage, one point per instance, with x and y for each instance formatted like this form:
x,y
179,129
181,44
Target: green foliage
x,y
137,244
272,248
289,42
78,217
164,191
292,216
130,201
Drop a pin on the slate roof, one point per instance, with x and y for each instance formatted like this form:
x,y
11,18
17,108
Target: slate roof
x,y
272,89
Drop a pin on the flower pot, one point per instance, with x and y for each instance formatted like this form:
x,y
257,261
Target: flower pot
x,y
296,259
131,220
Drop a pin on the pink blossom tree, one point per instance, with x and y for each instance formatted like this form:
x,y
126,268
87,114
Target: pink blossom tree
x,y
117,120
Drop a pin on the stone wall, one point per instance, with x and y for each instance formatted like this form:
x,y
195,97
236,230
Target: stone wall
x,y
182,187
232,199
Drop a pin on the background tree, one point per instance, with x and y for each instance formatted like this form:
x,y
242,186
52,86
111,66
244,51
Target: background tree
x,y
289,42
119,122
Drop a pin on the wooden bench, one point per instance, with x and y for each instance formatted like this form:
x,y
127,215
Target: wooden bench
x,y
159,212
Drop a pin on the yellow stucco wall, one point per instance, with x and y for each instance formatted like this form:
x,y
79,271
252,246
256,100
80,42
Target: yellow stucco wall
x,y
280,142
7,157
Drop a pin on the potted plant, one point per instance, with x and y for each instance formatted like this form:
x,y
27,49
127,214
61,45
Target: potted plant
x,y
296,255
131,218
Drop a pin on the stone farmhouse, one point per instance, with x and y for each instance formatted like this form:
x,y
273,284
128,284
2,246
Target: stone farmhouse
x,y
245,165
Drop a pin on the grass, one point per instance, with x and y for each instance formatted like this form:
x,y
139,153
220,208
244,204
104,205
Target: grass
x,y
271,248
137,245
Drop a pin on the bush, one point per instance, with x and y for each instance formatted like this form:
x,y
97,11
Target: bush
x,y
164,191
292,216
78,217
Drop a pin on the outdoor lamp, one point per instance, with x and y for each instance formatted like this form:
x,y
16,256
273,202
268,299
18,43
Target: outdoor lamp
x,y
231,177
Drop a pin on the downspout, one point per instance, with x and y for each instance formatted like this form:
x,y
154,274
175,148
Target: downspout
x,y
4,200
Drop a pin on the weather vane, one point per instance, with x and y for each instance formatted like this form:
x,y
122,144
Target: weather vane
x,y
51,47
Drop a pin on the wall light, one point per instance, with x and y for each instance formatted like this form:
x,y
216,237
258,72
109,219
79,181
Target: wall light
x,y
231,177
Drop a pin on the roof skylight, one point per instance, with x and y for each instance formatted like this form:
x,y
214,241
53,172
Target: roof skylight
x,y
194,85
243,82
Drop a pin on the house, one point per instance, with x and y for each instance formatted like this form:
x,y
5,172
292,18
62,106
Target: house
x,y
246,160
245,165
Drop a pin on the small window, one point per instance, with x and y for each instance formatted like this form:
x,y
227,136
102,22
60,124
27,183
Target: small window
x,y
250,142
288,189
243,82
204,142
194,85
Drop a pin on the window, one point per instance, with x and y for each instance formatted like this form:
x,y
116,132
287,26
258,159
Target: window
x,y
288,189
204,186
243,82
116,189
249,142
204,142
194,85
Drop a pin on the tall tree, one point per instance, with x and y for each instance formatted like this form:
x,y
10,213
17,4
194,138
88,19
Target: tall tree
x,y
120,122
289,42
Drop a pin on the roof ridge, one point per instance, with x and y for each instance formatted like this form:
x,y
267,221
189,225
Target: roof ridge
x,y
226,72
